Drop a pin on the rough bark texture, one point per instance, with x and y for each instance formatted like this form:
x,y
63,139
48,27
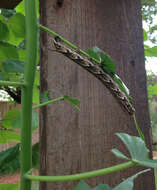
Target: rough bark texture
x,y
73,141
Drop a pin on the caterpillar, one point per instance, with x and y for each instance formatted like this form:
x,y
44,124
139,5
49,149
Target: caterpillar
x,y
97,71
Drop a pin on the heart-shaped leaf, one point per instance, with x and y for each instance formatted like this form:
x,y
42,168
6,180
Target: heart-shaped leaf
x,y
16,24
7,51
137,150
125,185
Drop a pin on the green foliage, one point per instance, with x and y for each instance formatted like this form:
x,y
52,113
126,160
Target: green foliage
x,y
73,101
145,36
9,160
9,187
151,51
126,184
137,149
7,136
109,66
16,24
149,11
45,96
105,60
12,119
13,66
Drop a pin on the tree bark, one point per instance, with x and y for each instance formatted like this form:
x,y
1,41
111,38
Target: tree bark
x,y
79,141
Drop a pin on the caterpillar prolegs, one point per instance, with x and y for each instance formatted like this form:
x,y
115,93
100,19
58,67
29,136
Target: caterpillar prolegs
x,y
97,71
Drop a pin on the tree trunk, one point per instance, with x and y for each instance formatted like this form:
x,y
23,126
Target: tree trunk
x,y
79,141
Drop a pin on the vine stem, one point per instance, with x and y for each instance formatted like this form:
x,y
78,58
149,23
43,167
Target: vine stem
x,y
48,102
69,44
10,83
81,175
27,91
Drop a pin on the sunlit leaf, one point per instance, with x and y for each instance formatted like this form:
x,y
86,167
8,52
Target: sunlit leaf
x,y
145,37
16,23
20,8
7,136
9,187
151,52
7,51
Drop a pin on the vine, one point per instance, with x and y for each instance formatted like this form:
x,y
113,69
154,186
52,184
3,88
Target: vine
x,y
96,62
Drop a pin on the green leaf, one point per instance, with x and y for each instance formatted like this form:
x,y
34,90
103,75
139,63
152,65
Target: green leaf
x,y
22,54
152,90
108,64
137,150
4,31
128,183
13,65
7,136
45,96
9,187
94,55
151,52
9,160
105,60
21,9
12,119
102,187
82,186
145,36
7,12
16,24
119,154
74,101
7,51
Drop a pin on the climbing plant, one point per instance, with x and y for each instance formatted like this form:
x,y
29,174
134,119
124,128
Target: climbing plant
x,y
19,77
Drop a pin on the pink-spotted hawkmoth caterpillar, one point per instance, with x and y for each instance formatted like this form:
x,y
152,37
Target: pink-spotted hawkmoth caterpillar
x,y
97,71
